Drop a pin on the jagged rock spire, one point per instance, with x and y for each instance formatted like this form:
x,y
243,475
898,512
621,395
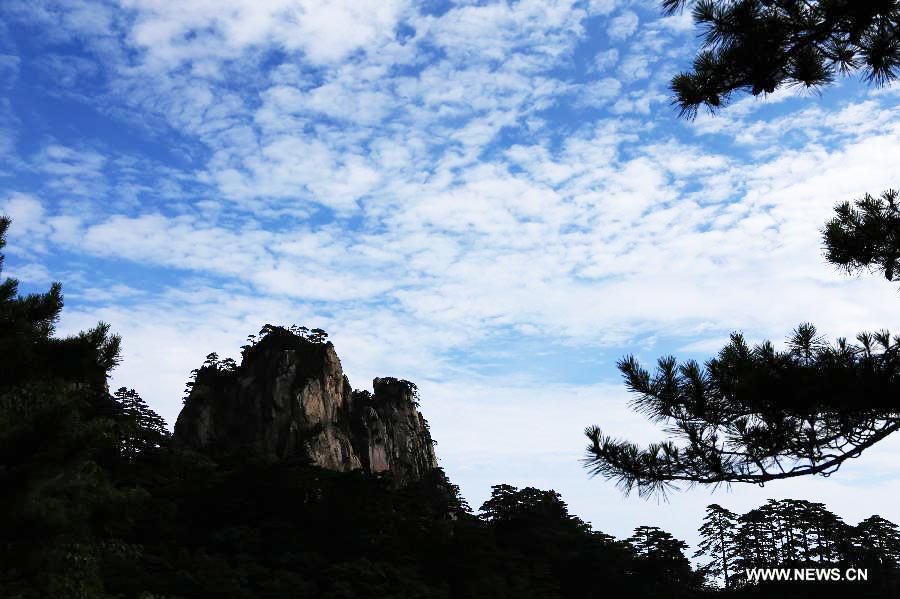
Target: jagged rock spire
x,y
290,398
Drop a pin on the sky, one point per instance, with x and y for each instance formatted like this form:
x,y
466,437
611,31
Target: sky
x,y
495,200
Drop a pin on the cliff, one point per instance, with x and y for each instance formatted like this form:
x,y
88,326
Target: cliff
x,y
289,398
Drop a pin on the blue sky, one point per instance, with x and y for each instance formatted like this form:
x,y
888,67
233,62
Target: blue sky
x,y
492,199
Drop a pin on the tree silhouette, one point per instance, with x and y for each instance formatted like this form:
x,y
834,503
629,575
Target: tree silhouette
x,y
531,506
24,318
717,541
28,349
795,533
878,538
806,531
756,415
661,553
754,546
757,46
791,532
142,428
866,235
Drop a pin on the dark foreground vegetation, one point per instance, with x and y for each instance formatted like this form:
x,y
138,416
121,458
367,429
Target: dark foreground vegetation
x,y
97,500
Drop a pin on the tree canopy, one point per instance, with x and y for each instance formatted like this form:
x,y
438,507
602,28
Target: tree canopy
x,y
28,348
866,235
717,541
794,533
757,46
757,414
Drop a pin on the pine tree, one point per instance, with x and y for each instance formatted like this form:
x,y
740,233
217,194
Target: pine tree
x,y
792,533
880,539
758,46
757,415
832,534
26,323
753,541
528,507
804,532
717,542
866,235
661,553
28,349
799,518
142,429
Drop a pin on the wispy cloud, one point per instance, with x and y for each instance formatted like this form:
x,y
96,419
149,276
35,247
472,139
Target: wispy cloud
x,y
623,26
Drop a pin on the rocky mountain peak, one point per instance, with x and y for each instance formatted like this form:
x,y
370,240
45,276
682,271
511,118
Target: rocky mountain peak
x,y
289,397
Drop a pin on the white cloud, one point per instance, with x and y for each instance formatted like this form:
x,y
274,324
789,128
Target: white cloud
x,y
681,22
605,59
486,248
493,31
63,162
603,7
623,26
637,102
27,214
599,93
29,273
325,32
635,67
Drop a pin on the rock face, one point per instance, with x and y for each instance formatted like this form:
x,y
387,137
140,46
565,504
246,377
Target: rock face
x,y
290,398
